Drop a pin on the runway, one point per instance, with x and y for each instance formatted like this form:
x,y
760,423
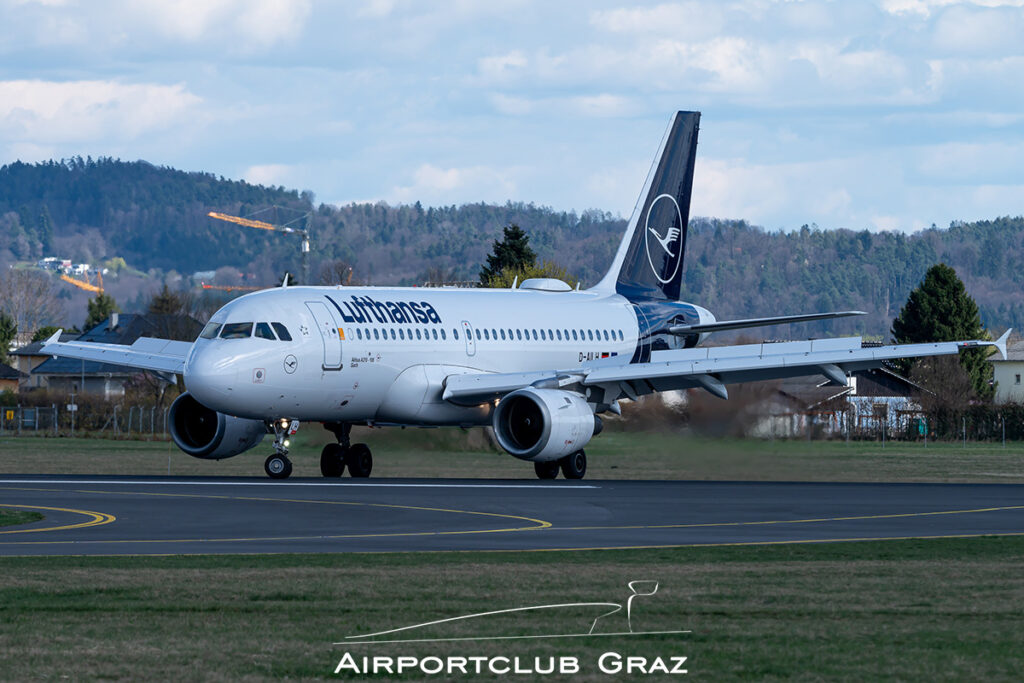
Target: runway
x,y
150,515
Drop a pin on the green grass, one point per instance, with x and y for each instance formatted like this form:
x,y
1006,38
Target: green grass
x,y
613,455
908,610
15,517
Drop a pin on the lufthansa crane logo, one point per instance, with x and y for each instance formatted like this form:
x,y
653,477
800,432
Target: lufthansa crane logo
x,y
663,237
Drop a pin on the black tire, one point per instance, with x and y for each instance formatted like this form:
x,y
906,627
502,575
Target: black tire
x,y
359,460
278,466
547,469
574,465
332,460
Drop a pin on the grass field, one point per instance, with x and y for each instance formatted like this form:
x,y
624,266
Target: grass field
x,y
909,610
613,455
15,517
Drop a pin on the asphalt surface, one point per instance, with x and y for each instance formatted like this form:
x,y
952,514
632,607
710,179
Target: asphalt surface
x,y
156,515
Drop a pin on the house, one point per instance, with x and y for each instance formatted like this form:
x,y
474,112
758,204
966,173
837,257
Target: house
x,y
28,357
883,399
1008,372
10,378
70,375
799,404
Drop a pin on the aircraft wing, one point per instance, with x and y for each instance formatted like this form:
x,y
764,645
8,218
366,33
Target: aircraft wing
x,y
710,368
146,353
722,325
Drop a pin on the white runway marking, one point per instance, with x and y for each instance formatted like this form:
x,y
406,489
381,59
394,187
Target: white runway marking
x,y
539,487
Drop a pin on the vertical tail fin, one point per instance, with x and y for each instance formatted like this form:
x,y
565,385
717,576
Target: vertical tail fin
x,y
649,262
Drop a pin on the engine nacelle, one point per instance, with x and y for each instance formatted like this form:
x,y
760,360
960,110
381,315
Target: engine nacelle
x,y
543,424
207,434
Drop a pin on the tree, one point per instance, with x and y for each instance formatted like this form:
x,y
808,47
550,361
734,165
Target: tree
x,y
547,269
44,332
511,252
8,331
940,309
100,309
29,297
165,302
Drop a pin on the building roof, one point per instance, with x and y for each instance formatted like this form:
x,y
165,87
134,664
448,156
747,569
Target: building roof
x,y
35,348
124,328
7,372
810,391
1014,352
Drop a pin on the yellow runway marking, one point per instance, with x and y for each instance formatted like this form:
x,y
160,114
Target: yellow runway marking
x,y
537,524
97,519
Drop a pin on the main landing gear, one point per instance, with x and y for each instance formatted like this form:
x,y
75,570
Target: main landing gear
x,y
278,466
336,456
573,466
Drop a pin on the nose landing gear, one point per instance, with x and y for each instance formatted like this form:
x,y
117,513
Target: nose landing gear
x,y
336,456
278,466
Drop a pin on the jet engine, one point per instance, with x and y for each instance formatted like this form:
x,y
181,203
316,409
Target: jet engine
x,y
207,434
543,424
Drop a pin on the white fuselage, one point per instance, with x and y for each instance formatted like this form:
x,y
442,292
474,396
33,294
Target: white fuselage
x,y
380,355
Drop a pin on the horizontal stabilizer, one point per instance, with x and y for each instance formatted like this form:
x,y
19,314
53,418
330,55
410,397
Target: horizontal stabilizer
x,y
722,325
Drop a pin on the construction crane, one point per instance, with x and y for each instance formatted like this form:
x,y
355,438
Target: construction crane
x,y
85,284
230,288
287,228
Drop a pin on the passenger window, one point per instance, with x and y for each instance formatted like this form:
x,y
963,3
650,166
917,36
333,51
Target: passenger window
x,y
478,334
574,335
433,333
566,334
503,335
535,334
236,331
359,332
282,332
590,335
494,334
210,331
558,332
455,334
519,335
263,331
418,333
393,335
401,334
443,337
487,335
375,335
606,335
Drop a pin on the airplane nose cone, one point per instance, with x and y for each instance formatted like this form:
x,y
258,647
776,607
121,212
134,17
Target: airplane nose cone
x,y
210,377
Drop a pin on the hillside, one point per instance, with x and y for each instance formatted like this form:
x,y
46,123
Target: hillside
x,y
155,218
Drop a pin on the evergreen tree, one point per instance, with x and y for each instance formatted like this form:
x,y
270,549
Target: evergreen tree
x,y
100,309
512,252
8,330
45,332
165,302
940,309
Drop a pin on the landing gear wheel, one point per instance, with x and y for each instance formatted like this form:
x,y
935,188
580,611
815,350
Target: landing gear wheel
x,y
547,469
278,466
359,460
574,465
332,460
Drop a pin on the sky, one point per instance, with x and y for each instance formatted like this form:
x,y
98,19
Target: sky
x,y
884,115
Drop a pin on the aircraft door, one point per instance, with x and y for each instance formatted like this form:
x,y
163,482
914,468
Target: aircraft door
x,y
329,333
467,330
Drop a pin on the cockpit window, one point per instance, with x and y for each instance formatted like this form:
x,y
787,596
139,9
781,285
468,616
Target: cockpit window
x,y
210,331
264,332
282,332
236,331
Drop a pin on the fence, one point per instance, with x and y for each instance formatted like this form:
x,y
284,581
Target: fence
x,y
116,421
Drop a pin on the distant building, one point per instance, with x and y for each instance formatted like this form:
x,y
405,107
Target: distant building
x,y
10,378
72,375
1008,372
883,399
799,404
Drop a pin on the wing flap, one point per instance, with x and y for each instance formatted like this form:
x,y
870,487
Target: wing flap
x,y
146,353
723,325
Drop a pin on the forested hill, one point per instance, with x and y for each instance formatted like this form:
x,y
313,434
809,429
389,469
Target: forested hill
x,y
155,218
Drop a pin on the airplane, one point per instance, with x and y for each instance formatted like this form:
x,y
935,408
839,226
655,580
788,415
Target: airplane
x,y
539,362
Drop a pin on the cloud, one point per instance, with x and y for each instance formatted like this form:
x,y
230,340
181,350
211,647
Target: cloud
x,y
269,174
685,20
259,22
48,112
433,183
